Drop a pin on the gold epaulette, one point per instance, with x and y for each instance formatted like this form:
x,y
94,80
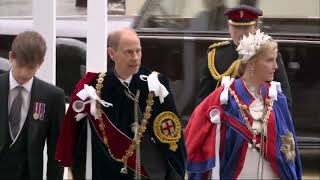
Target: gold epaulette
x,y
223,43
231,71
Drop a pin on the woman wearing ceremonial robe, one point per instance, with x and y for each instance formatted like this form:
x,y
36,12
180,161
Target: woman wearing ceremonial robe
x,y
244,130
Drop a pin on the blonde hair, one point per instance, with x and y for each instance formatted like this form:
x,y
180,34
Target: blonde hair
x,y
264,48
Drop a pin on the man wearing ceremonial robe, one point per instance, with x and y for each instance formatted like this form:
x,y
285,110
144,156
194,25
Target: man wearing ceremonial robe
x,y
127,96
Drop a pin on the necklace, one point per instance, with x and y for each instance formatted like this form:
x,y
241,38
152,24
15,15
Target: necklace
x,y
255,92
244,111
135,127
141,129
257,108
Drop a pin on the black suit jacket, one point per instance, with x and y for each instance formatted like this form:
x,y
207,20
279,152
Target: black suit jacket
x,y
38,131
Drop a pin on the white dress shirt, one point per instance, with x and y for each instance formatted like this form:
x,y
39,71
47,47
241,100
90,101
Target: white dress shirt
x,y
125,82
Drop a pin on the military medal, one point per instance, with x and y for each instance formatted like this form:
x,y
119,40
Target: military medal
x,y
35,116
39,111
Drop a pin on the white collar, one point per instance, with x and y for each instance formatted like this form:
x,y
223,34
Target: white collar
x,y
128,80
13,83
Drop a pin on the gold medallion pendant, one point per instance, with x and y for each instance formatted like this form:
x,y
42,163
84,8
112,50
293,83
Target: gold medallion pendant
x,y
288,147
167,128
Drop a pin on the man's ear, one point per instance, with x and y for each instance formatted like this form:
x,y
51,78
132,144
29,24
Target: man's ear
x,y
11,57
111,52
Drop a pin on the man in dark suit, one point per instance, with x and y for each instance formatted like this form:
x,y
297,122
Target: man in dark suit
x,y
31,112
222,59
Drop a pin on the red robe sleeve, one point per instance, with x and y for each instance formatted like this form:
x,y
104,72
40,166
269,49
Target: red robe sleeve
x,y
67,137
200,135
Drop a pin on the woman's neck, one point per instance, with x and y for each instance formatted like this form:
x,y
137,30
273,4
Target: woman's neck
x,y
252,83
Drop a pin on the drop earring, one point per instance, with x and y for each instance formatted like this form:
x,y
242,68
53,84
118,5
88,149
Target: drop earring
x,y
252,72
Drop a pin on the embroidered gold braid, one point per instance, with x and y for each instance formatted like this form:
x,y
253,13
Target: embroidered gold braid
x,y
136,141
250,23
231,71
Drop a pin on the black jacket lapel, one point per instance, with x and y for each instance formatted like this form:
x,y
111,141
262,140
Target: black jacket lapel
x,y
34,97
4,126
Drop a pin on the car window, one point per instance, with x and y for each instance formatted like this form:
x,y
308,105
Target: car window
x,y
207,15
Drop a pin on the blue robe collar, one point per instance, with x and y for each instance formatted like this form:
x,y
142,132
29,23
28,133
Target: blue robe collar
x,y
245,95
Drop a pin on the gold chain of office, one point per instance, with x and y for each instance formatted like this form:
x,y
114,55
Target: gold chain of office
x,y
244,109
136,141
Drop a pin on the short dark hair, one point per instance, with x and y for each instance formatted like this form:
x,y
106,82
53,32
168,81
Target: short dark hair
x,y
29,48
